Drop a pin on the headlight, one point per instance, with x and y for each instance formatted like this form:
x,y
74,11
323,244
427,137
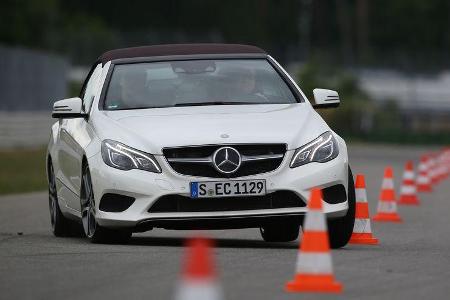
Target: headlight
x,y
322,149
122,157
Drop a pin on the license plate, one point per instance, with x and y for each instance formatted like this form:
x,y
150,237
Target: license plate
x,y
234,188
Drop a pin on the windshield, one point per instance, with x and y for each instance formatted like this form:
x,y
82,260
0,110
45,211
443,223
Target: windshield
x,y
196,82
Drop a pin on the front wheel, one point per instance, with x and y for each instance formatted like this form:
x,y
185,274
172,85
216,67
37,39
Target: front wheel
x,y
340,230
60,225
94,232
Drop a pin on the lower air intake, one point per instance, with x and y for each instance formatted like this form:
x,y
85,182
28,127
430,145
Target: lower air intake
x,y
115,202
178,203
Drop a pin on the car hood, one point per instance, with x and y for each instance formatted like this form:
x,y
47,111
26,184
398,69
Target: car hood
x,y
151,130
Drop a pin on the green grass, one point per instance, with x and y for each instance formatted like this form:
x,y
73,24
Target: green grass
x,y
22,171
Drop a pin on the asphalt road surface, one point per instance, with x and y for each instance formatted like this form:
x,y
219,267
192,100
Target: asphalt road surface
x,y
412,261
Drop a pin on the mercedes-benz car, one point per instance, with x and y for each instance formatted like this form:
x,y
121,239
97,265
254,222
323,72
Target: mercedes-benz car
x,y
194,136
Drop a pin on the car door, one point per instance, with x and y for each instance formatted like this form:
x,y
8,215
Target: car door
x,y
74,136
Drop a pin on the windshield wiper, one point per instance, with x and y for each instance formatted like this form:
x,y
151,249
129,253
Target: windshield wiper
x,y
211,103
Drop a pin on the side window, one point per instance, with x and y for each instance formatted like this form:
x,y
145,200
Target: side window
x,y
90,88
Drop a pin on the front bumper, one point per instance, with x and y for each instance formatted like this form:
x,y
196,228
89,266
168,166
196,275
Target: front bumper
x,y
148,187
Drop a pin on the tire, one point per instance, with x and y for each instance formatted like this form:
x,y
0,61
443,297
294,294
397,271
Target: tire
x,y
60,224
283,231
92,230
340,230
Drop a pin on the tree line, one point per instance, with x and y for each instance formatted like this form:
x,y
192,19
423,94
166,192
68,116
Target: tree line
x,y
405,33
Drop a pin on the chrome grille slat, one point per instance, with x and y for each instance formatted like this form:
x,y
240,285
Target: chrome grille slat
x,y
191,160
209,159
198,160
261,157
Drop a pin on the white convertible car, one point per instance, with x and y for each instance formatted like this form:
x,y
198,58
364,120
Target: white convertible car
x,y
195,136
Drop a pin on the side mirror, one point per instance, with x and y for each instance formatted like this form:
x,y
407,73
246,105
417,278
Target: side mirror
x,y
68,109
325,98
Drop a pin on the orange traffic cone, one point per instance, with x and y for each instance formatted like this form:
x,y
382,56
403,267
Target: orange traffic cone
x,y
198,278
362,231
387,207
314,267
408,191
423,181
441,169
432,169
446,163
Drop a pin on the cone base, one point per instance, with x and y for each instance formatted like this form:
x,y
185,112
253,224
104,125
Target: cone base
x,y
314,284
387,217
424,188
408,201
363,239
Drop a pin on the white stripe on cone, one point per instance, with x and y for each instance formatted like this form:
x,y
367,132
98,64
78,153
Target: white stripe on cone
x,y
423,179
409,175
388,183
387,206
362,226
422,167
361,195
199,290
408,190
314,263
315,221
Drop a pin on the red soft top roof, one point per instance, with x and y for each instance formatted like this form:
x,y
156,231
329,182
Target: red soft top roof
x,y
178,49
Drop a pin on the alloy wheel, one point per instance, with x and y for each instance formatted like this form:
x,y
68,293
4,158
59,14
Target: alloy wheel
x,y
88,205
52,196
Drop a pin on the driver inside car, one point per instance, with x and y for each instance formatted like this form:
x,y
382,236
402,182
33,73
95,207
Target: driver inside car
x,y
133,88
246,87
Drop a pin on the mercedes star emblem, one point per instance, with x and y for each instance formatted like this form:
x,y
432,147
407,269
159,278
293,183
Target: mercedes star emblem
x,y
227,160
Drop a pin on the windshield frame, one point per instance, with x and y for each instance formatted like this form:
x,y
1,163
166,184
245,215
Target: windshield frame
x,y
101,103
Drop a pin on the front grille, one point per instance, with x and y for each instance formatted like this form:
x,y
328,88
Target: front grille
x,y
197,160
178,203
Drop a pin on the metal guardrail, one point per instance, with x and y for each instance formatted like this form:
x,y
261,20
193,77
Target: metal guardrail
x,y
31,80
24,129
